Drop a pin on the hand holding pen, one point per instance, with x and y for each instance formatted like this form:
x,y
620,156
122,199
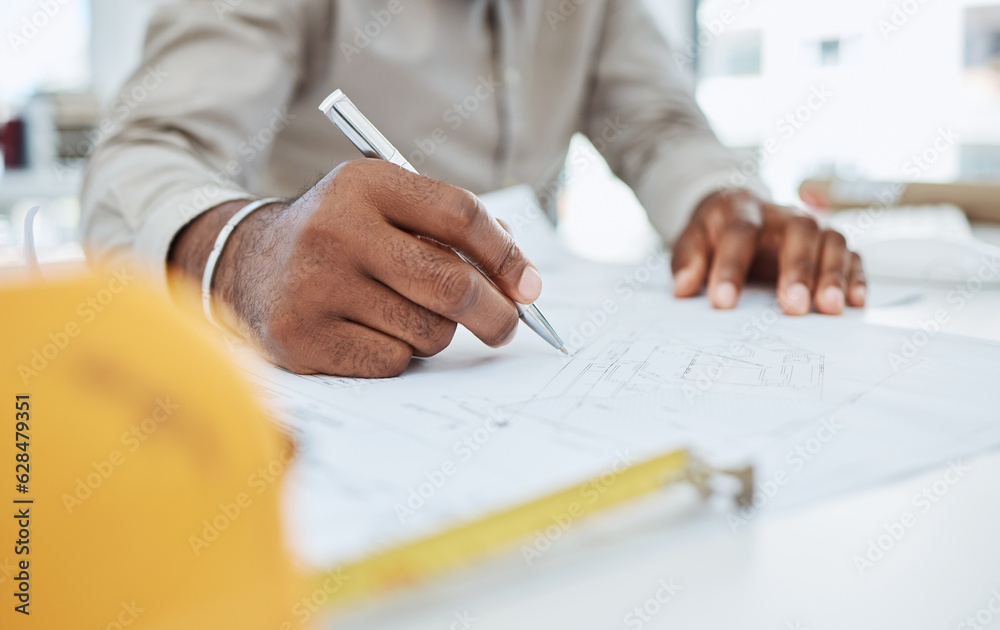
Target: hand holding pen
x,y
351,279
349,119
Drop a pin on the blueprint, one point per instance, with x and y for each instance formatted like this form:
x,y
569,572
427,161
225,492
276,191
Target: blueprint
x,y
826,404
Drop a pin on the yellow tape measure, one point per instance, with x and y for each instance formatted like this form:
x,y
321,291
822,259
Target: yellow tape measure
x,y
423,559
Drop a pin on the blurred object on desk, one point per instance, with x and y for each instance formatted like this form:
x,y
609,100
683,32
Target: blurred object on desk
x,y
980,200
929,244
12,144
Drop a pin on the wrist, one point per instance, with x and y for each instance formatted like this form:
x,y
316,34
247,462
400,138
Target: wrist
x,y
192,245
244,273
190,252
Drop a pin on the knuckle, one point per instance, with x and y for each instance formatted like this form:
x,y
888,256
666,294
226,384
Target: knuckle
x,y
466,209
802,268
504,331
804,224
510,258
388,360
455,288
428,332
439,338
349,172
742,228
836,238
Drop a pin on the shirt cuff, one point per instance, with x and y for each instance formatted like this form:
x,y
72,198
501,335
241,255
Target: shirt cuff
x,y
159,227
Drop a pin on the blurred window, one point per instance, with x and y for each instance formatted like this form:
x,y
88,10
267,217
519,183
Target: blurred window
x,y
982,36
980,161
732,54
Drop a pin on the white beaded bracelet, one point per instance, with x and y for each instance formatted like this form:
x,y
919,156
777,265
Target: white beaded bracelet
x,y
220,244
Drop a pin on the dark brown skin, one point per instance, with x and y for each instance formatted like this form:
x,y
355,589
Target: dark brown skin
x,y
354,278
346,281
733,237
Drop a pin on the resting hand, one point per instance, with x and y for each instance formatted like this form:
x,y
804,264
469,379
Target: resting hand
x,y
733,237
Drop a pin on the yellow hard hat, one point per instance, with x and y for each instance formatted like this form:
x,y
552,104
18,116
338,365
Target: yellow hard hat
x,y
148,479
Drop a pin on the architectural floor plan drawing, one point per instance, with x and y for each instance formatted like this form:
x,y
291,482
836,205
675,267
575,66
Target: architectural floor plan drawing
x,y
643,363
768,363
826,402
514,423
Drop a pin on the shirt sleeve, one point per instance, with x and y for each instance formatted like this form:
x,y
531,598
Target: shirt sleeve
x,y
192,127
643,118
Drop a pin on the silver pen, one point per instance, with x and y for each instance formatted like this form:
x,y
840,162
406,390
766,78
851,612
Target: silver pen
x,y
349,119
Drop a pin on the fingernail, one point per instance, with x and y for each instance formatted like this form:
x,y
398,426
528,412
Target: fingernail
x,y
797,299
858,295
833,299
530,286
725,295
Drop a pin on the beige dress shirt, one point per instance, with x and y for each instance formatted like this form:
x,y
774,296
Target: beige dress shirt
x,y
481,94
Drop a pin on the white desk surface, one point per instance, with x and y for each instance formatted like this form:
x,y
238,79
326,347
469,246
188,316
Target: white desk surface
x,y
788,569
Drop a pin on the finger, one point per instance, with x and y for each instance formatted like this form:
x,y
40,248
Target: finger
x,y
731,262
831,281
689,261
442,282
797,265
341,348
457,218
857,286
380,308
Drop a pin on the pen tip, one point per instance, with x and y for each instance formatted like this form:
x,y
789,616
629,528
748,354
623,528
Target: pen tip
x,y
564,350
